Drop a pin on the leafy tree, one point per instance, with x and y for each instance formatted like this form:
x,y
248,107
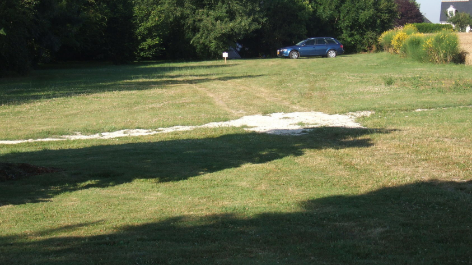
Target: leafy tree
x,y
41,31
408,12
16,52
82,31
149,19
86,30
209,26
285,23
220,24
461,20
33,31
120,41
55,24
357,23
193,28
169,30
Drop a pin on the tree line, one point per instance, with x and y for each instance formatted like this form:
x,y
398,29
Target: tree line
x,y
42,31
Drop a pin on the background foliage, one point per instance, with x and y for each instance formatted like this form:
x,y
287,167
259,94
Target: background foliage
x,y
43,31
408,12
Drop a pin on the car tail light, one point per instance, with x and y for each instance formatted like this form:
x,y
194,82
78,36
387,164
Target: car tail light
x,y
342,46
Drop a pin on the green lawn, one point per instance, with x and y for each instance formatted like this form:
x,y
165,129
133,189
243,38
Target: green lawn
x,y
398,191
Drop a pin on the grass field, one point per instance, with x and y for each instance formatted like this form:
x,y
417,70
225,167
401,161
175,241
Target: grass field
x,y
398,191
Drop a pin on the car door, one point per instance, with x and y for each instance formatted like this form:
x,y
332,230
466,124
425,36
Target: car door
x,y
308,48
320,47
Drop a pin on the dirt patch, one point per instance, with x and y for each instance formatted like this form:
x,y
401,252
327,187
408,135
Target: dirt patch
x,y
15,171
465,42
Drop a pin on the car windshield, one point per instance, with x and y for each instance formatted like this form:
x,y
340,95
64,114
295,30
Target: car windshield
x,y
300,43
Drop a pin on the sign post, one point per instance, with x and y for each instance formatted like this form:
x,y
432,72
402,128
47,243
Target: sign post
x,y
225,55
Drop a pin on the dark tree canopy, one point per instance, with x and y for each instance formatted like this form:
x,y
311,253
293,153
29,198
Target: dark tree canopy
x,y
408,12
120,31
357,23
16,54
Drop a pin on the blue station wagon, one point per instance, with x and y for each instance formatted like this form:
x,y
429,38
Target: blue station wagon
x,y
320,46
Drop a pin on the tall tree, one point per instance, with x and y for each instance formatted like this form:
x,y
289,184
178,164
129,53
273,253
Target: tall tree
x,y
357,23
120,31
193,28
55,24
16,22
286,22
83,26
149,18
408,12
220,24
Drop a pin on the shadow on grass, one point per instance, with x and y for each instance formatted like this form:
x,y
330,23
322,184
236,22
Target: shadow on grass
x,y
175,160
419,223
56,83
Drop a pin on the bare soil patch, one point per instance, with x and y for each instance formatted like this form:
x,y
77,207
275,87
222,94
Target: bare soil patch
x,y
15,171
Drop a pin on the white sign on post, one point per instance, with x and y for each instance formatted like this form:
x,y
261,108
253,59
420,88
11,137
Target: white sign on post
x,y
225,55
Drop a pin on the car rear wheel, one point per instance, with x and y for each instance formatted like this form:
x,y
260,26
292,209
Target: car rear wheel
x,y
331,54
294,55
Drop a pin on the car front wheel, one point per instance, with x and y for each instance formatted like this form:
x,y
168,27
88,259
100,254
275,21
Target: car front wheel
x,y
294,55
331,54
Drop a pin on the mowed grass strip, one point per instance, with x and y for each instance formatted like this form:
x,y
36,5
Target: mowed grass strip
x,y
398,191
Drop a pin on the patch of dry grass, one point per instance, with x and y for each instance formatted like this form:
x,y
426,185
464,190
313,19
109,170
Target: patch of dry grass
x,y
465,41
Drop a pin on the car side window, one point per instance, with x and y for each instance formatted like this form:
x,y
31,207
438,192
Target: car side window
x,y
320,41
310,42
330,41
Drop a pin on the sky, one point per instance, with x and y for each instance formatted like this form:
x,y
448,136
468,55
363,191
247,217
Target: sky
x,y
430,9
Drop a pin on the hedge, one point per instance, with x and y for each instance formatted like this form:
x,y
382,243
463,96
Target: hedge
x,y
431,28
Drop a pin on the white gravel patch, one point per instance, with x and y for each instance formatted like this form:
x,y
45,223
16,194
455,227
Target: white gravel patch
x,y
296,123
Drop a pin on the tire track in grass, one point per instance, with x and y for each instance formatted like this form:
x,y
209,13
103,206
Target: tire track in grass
x,y
268,95
218,101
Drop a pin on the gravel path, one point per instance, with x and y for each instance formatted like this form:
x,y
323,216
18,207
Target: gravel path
x,y
296,123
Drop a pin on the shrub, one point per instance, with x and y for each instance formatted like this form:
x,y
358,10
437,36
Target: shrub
x,y
392,40
442,47
385,40
413,47
398,41
410,29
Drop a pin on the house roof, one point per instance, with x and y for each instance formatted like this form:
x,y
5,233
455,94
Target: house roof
x,y
426,20
459,5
